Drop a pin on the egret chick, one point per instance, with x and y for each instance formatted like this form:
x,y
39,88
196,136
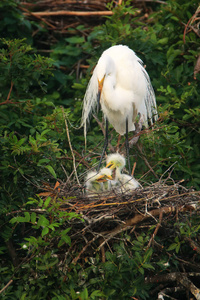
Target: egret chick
x,y
91,184
124,181
105,176
98,182
122,86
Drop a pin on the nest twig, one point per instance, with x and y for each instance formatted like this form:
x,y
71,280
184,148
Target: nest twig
x,y
106,215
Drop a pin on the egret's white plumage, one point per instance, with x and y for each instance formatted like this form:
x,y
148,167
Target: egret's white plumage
x,y
125,88
91,183
125,182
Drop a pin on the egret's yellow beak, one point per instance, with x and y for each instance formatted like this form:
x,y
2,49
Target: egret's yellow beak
x,y
110,165
100,87
109,177
103,178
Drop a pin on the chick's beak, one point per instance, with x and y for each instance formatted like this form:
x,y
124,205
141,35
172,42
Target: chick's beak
x,y
100,87
110,165
101,178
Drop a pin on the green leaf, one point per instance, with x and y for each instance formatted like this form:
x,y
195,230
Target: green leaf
x,y
47,201
141,270
51,170
148,266
45,230
163,41
27,217
64,232
43,161
33,218
24,296
42,221
138,256
45,132
65,239
172,247
84,294
13,220
178,248
96,293
75,40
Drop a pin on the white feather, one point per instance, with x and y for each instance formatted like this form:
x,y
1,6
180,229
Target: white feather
x,y
126,91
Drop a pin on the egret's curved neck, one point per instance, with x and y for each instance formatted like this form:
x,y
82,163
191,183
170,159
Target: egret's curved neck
x,y
111,93
106,69
118,173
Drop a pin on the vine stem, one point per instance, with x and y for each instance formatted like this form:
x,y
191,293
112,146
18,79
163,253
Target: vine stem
x,y
70,145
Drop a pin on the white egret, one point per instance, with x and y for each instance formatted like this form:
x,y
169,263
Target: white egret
x,y
98,182
125,182
123,88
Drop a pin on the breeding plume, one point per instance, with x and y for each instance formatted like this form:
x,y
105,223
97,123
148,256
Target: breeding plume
x,y
123,88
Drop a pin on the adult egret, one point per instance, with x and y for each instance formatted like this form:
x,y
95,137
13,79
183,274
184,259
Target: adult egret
x,y
125,182
98,182
123,88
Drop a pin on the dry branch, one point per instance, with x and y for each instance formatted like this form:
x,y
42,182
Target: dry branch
x,y
71,13
182,278
7,285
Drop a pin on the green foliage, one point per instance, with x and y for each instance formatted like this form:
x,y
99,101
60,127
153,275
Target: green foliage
x,y
13,23
125,270
21,70
31,128
45,228
118,28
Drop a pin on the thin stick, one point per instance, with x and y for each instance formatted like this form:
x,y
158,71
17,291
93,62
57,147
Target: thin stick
x,y
11,87
146,161
156,230
91,205
133,169
27,12
71,13
167,171
70,145
5,287
84,248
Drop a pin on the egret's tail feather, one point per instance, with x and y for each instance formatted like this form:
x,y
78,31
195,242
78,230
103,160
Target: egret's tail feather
x,y
150,100
89,102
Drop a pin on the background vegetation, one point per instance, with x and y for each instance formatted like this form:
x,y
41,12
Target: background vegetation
x,y
39,73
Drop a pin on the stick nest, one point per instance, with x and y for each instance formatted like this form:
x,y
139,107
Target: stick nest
x,y
115,212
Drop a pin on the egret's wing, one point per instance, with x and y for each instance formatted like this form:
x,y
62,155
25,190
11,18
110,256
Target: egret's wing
x,y
150,99
89,101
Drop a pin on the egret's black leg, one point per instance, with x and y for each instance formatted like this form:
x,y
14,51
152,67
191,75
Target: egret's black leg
x,y
127,148
105,145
